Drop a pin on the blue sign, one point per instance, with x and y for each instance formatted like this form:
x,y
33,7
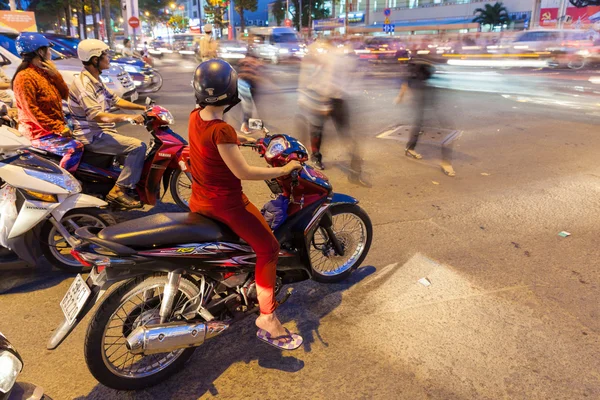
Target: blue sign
x,y
389,28
387,12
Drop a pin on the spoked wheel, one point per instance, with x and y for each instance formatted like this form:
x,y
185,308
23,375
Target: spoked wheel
x,y
577,63
136,303
181,189
352,228
55,247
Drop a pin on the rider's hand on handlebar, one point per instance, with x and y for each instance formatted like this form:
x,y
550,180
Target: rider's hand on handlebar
x,y
66,132
291,166
136,119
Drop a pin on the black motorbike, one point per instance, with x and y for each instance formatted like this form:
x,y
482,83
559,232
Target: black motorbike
x,y
186,278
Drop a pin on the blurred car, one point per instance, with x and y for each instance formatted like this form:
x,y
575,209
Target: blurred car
x,y
231,51
553,40
115,78
382,49
186,44
274,44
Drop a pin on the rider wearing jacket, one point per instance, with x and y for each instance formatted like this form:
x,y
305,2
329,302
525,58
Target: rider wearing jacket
x,y
90,103
39,90
218,167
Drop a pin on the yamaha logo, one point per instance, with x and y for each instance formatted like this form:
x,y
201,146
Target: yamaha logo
x,y
167,155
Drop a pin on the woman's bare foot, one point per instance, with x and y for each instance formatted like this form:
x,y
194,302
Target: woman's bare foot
x,y
271,324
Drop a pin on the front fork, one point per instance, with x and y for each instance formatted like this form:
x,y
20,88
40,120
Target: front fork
x,y
326,223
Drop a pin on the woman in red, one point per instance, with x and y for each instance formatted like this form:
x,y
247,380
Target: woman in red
x,y
39,91
217,167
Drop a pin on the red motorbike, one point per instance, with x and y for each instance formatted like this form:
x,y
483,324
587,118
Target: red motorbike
x,y
184,278
165,163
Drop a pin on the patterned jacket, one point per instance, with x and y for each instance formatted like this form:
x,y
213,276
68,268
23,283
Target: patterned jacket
x,y
39,102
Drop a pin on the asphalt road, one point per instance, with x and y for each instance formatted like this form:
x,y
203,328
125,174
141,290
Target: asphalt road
x,y
512,310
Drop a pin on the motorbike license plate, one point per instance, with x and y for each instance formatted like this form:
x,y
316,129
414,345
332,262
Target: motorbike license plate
x,y
75,299
134,96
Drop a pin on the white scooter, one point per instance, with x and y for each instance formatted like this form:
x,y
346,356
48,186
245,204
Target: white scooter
x,y
49,205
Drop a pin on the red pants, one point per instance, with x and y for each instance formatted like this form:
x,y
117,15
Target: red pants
x,y
248,223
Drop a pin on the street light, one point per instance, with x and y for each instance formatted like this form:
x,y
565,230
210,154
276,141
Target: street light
x,y
121,20
173,5
147,14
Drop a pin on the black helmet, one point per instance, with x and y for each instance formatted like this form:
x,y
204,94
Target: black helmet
x,y
215,84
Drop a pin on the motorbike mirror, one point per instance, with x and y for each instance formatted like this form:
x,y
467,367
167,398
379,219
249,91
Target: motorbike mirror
x,y
149,101
255,124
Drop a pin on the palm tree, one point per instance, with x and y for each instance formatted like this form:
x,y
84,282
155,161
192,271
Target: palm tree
x,y
496,15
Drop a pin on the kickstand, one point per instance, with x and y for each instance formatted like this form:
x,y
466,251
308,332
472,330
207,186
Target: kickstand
x,y
286,297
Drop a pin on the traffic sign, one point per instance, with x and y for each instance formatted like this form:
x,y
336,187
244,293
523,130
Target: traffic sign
x,y
134,22
387,21
389,28
387,12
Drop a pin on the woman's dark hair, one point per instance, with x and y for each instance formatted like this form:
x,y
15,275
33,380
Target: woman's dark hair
x,y
125,41
27,59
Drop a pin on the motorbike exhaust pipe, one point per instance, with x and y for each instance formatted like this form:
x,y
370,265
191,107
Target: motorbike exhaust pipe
x,y
163,338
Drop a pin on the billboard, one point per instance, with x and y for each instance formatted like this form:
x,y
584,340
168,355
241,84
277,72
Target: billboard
x,y
22,21
575,18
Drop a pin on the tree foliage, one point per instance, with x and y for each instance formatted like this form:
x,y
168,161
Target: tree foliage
x,y
492,15
179,23
241,5
215,11
279,11
315,7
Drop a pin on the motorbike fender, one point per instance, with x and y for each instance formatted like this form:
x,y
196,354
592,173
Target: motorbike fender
x,y
165,180
99,283
71,202
339,198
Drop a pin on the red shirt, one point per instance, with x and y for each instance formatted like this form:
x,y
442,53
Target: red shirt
x,y
214,185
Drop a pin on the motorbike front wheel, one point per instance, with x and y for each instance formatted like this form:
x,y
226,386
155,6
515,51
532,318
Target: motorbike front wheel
x,y
135,303
353,229
55,247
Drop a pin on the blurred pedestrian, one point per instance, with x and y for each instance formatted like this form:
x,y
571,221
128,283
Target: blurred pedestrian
x,y
324,83
250,77
424,97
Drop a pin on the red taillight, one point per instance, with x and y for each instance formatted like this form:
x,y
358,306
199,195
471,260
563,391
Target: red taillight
x,y
78,257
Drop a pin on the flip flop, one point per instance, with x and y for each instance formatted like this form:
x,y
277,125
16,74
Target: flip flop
x,y
413,154
449,171
124,201
291,341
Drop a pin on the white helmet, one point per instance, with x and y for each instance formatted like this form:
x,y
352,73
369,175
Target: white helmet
x,y
208,28
89,48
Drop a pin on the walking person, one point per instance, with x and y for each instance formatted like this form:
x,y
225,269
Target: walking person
x,y
425,104
324,84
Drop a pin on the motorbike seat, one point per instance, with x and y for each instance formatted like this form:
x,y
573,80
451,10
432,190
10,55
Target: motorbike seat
x,y
97,159
168,229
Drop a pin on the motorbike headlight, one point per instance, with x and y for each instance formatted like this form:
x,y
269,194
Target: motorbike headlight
x,y
166,117
276,147
65,181
10,367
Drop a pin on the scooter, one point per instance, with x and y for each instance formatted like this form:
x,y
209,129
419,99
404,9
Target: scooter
x,y
48,205
11,366
185,278
166,162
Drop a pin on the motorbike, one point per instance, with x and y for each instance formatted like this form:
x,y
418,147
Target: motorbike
x,y
185,278
11,365
49,204
146,78
166,162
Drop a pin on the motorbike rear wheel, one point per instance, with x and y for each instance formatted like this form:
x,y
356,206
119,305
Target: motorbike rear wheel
x,y
353,229
55,247
135,303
